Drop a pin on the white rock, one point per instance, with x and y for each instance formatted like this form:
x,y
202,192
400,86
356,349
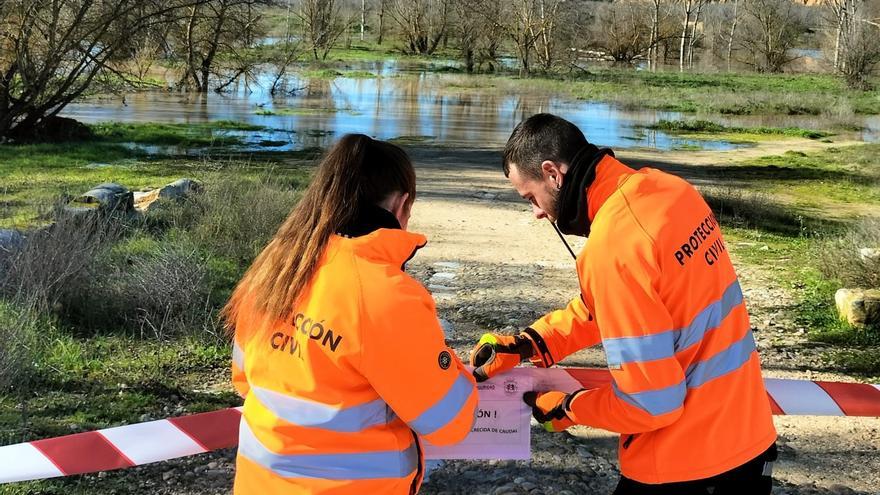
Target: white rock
x,y
180,189
869,254
448,265
859,307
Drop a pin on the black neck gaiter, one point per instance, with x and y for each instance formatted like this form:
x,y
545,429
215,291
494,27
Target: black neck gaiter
x,y
572,207
369,218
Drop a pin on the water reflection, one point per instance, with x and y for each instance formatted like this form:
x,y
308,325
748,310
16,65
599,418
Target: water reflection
x,y
403,101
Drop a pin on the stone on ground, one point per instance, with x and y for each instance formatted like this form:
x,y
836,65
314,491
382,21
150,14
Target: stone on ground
x,y
859,307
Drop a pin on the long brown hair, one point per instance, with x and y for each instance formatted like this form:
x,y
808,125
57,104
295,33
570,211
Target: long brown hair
x,y
357,171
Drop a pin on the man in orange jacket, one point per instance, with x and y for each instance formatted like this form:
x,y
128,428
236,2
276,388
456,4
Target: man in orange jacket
x,y
660,294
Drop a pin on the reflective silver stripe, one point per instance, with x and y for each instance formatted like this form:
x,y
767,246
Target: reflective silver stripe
x,y
655,402
446,409
312,414
664,400
722,363
237,355
663,345
710,318
359,466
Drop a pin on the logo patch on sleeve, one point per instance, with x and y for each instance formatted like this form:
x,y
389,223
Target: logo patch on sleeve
x,y
444,360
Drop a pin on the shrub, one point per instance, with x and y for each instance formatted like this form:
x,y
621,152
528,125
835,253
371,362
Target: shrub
x,y
235,217
19,330
849,259
167,291
56,263
738,208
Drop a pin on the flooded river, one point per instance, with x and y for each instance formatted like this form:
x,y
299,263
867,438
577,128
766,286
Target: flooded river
x,y
402,101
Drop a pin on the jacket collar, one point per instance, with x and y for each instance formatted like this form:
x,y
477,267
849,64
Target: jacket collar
x,y
578,209
374,233
610,175
393,246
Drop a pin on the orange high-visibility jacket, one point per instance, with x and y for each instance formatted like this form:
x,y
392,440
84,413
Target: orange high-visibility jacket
x,y
337,399
660,293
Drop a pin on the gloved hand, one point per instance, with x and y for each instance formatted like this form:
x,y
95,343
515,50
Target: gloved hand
x,y
494,354
549,409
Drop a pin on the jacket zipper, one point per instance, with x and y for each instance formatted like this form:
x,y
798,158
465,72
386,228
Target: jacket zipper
x,y
629,440
414,488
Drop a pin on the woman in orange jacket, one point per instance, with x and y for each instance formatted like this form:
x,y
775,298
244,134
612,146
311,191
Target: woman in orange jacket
x,y
338,353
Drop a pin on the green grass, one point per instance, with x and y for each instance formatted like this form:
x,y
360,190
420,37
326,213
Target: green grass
x,y
34,176
732,94
184,135
98,375
789,238
687,147
724,93
698,127
791,261
330,73
103,382
836,183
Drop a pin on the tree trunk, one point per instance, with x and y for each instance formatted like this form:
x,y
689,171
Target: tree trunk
x,y
190,49
684,33
363,17
524,48
693,41
655,34
732,33
381,21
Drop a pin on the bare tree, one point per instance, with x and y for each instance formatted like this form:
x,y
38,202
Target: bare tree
x,y
655,34
519,20
623,30
695,35
323,24
732,35
544,31
423,23
53,52
857,40
769,29
468,30
383,4
219,27
691,10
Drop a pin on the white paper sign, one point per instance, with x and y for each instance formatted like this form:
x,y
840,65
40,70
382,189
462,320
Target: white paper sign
x,y
501,429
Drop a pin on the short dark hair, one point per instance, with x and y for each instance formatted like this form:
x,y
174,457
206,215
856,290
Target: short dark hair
x,y
541,137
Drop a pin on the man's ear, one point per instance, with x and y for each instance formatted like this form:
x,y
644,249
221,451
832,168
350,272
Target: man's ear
x,y
553,172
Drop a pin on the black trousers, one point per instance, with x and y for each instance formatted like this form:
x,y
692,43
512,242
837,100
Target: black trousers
x,y
748,479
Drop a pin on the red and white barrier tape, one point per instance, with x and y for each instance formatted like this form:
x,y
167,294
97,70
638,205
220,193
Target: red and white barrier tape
x,y
143,443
